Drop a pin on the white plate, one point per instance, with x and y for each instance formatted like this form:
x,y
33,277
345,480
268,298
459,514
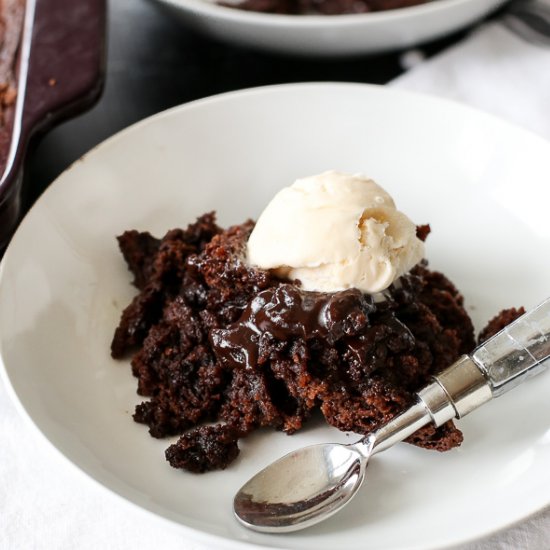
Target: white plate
x,y
480,183
332,35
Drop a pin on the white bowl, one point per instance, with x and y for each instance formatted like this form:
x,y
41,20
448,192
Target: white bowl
x,y
336,34
480,183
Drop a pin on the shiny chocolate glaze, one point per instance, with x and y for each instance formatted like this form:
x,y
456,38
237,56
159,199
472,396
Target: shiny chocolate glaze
x,y
285,312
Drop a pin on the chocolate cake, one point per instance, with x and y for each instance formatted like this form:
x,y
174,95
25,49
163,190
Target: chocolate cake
x,y
221,348
320,7
12,13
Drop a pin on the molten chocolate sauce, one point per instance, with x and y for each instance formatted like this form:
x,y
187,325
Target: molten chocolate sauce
x,y
287,312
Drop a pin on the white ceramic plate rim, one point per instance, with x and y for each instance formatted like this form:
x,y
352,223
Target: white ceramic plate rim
x,y
199,535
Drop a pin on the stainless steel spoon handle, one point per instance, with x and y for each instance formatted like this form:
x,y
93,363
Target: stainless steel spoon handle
x,y
519,351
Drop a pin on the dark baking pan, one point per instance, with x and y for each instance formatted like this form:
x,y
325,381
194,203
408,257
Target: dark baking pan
x,y
58,71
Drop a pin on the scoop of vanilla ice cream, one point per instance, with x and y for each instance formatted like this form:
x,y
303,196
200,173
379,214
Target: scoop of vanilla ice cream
x,y
335,231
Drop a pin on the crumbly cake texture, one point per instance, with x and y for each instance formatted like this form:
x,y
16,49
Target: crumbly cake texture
x,y
221,349
321,7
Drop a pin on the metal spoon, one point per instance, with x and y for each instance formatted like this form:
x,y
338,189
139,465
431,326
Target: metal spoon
x,y
311,484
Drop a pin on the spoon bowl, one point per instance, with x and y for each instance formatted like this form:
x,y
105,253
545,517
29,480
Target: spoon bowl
x,y
303,487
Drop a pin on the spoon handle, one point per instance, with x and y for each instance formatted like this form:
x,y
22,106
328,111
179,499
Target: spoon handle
x,y
519,351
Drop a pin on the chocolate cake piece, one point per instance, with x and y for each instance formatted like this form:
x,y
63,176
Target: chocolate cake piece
x,y
207,448
320,7
215,340
158,267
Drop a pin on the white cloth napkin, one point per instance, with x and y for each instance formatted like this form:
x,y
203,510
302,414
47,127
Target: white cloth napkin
x,y
494,70
46,504
499,72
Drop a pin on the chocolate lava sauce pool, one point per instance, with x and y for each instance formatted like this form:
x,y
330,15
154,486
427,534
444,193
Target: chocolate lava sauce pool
x,y
285,312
